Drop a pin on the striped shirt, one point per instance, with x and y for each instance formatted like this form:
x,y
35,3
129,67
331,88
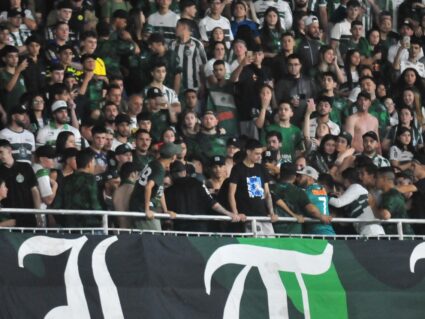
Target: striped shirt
x,y
282,7
23,144
192,57
165,24
208,24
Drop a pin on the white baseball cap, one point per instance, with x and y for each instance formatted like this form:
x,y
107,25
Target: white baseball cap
x,y
59,104
310,20
309,171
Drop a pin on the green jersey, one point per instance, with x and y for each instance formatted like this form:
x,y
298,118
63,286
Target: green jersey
x,y
160,121
317,195
11,99
295,198
154,171
393,201
221,101
208,146
292,140
111,52
378,110
339,105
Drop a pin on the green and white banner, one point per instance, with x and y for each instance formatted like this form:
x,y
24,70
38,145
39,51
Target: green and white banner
x,y
133,276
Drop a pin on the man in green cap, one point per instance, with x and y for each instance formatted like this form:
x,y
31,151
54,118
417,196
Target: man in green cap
x,y
148,193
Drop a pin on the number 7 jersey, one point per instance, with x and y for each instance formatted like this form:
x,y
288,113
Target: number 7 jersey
x,y
318,196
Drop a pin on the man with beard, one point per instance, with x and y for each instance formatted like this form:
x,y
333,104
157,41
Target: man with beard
x,y
122,130
110,112
323,110
21,140
141,155
309,46
59,123
317,8
12,83
209,140
297,88
361,122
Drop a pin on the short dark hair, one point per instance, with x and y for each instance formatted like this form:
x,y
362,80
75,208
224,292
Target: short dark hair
x,y
351,174
252,144
293,56
158,64
58,88
274,133
88,34
98,129
369,168
185,22
387,172
84,157
126,170
218,62
329,74
141,131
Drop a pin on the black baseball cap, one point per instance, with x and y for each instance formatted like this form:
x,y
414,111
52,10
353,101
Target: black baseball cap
x,y
371,134
65,4
65,47
87,56
45,151
154,92
121,118
110,174
122,149
233,141
19,109
269,156
217,160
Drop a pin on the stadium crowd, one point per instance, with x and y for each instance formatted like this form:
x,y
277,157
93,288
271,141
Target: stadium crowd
x,y
298,108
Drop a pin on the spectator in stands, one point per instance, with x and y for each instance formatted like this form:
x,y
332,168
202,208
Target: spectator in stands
x,y
5,219
187,195
43,164
164,21
249,193
148,193
21,183
129,174
83,187
361,122
307,179
392,204
215,19
59,123
21,140
12,82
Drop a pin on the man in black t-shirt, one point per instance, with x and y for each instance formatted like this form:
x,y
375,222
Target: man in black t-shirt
x,y
249,193
22,184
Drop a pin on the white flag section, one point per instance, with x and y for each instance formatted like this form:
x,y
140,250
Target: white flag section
x,y
417,253
77,304
269,262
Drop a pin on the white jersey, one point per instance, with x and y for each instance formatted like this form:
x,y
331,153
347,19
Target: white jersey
x,y
23,144
49,134
282,7
208,24
43,179
341,31
165,24
355,200
396,154
209,68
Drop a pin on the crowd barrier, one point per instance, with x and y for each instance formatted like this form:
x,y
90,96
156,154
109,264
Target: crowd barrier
x,y
105,229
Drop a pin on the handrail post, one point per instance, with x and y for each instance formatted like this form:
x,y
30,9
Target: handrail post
x,y
254,227
400,230
105,224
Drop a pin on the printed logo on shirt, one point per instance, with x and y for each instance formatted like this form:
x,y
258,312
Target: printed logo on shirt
x,y
255,189
20,178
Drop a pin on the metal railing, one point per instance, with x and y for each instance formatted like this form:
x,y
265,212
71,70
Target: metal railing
x,y
105,229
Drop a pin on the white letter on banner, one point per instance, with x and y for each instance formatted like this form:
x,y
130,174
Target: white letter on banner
x,y
77,305
108,292
417,253
269,262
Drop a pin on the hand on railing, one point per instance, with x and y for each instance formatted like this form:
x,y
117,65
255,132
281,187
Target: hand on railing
x,y
172,214
324,219
149,214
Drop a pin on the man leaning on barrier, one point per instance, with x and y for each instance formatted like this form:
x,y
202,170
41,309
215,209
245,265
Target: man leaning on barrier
x,y
148,193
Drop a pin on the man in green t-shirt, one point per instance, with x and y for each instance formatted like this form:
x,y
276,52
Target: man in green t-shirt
x,y
392,204
292,138
12,83
148,193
